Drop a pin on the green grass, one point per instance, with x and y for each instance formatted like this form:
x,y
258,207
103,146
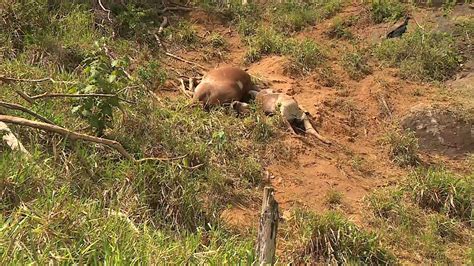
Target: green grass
x,y
339,29
356,65
409,227
444,192
337,240
386,10
403,148
422,56
334,197
304,55
293,16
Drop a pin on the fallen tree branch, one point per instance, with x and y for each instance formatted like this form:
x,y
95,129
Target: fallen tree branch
x,y
186,61
183,88
75,136
66,133
31,99
18,107
161,159
10,79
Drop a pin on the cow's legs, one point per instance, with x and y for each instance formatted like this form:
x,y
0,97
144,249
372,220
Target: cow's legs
x,y
308,127
240,107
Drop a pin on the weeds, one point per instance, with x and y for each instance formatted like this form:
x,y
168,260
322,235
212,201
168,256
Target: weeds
x,y
304,55
356,65
339,29
443,192
336,240
293,16
334,197
403,148
386,10
425,56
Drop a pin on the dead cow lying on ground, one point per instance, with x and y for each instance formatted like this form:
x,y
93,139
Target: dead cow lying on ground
x,y
232,85
222,86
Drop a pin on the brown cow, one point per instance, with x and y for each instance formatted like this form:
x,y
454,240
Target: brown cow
x,y
223,85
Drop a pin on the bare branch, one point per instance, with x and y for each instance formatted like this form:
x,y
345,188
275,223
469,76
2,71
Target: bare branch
x,y
31,99
105,9
186,61
75,136
10,80
66,132
18,107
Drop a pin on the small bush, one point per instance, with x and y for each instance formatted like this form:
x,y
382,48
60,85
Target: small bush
x,y
336,240
305,56
403,148
356,65
422,56
183,33
217,41
339,29
386,10
334,197
443,192
389,206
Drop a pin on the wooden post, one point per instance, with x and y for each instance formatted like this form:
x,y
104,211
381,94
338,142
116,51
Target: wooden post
x,y
267,230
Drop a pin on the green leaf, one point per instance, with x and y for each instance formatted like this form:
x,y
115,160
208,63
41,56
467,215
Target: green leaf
x,y
112,77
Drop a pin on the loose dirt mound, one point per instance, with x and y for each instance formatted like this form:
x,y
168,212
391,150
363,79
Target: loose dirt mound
x,y
441,130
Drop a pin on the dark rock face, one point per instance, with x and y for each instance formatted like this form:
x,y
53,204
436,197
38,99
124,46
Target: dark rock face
x,y
441,130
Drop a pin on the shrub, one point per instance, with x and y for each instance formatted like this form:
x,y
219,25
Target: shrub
x,y
425,56
403,148
385,10
339,29
336,240
444,192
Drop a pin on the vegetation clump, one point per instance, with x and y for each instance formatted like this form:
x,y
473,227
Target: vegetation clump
x,y
293,16
422,56
356,65
304,55
443,192
337,240
403,148
386,10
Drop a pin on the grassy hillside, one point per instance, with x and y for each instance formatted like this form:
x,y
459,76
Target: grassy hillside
x,y
81,202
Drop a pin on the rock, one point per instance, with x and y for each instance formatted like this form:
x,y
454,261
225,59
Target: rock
x,y
441,130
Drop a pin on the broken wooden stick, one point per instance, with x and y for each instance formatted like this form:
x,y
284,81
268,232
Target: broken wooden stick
x,y
18,107
267,230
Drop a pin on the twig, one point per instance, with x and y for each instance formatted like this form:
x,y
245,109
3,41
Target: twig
x,y
31,99
183,88
163,25
186,61
75,136
66,132
106,10
385,105
9,79
161,159
176,8
26,110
